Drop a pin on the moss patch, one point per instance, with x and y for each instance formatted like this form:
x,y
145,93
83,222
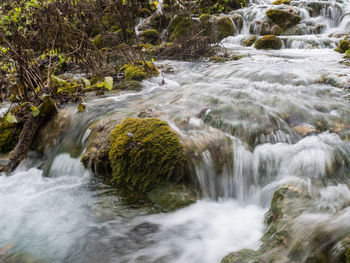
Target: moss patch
x,y
282,18
139,70
268,42
9,135
144,153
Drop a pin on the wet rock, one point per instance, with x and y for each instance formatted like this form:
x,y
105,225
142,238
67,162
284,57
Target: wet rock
x,y
238,21
268,42
97,148
243,256
48,135
170,196
305,129
5,165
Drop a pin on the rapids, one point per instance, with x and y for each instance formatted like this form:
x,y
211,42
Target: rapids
x,y
254,113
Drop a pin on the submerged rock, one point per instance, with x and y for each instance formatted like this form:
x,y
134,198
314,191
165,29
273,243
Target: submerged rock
x,y
268,42
170,196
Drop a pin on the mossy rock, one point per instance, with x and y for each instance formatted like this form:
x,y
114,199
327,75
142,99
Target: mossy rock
x,y
250,41
9,134
343,46
139,70
159,21
268,42
224,27
281,2
145,153
170,196
283,18
150,36
220,6
180,26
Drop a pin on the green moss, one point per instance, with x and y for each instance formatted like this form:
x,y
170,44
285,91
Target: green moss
x,y
204,18
225,27
281,2
144,153
283,18
180,26
344,45
139,70
150,36
250,41
268,42
347,255
9,135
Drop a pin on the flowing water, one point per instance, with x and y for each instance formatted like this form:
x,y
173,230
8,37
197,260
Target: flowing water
x,y
269,119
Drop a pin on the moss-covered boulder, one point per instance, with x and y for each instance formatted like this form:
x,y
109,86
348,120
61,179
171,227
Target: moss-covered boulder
x,y
281,2
145,153
130,85
180,26
224,28
250,41
343,46
150,36
268,42
282,18
139,70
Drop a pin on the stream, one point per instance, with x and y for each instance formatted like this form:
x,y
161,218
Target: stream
x,y
277,117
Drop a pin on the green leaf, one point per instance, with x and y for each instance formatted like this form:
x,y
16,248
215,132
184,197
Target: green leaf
x,y
10,118
35,111
109,83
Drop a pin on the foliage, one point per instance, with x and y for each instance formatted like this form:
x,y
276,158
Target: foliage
x,y
220,6
144,153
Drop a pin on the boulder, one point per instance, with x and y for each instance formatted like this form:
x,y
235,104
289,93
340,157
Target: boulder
x,y
145,153
283,18
268,42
